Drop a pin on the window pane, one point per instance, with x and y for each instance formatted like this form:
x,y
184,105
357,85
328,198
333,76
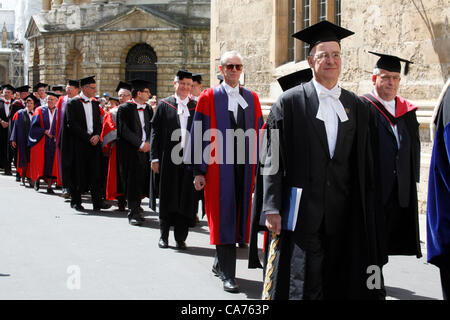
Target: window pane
x,y
338,12
306,23
322,10
291,29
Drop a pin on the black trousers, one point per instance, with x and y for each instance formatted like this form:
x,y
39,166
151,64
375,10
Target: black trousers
x,y
180,227
445,282
324,270
225,260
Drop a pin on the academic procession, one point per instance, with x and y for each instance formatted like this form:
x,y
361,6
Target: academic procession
x,y
326,182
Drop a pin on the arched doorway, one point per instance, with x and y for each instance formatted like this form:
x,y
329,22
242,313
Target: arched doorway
x,y
141,64
74,63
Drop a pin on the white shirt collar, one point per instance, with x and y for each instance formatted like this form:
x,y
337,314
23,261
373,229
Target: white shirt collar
x,y
85,98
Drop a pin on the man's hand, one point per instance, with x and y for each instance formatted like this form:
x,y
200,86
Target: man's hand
x,y
146,147
4,124
94,140
14,144
199,182
273,223
155,166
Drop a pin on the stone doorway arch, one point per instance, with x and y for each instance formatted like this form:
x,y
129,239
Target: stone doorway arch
x,y
141,64
74,63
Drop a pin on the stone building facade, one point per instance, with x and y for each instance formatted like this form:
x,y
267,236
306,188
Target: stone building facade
x,y
119,40
416,30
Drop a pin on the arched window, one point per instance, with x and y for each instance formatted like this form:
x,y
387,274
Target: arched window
x,y
74,63
141,64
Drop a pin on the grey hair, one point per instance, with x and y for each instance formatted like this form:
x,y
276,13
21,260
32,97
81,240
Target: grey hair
x,y
128,92
229,54
176,79
376,72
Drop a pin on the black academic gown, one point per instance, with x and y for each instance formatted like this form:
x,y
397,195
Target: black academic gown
x,y
132,165
81,162
16,106
177,195
397,172
5,162
336,200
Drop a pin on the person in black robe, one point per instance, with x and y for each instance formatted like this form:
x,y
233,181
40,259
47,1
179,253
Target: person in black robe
x,y
133,146
178,199
318,147
396,146
5,118
81,152
17,105
39,90
19,138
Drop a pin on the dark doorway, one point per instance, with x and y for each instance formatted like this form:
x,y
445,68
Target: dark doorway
x,y
141,64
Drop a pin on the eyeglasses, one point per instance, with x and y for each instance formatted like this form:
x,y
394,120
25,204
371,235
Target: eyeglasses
x,y
325,56
95,88
230,67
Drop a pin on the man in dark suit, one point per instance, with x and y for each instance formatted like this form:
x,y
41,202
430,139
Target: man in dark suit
x,y
177,202
5,117
133,146
323,137
82,129
397,157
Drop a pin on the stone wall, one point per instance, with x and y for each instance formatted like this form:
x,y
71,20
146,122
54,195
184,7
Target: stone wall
x,y
103,54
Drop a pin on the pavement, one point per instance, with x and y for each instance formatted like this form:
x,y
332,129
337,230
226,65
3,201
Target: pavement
x,y
49,251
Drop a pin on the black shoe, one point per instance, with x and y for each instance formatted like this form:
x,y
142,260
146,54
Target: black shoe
x,y
122,207
36,185
163,244
134,222
181,245
102,205
50,191
230,285
218,273
77,207
17,178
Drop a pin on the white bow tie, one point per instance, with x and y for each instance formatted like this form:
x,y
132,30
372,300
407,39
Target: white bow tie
x,y
336,104
236,100
182,108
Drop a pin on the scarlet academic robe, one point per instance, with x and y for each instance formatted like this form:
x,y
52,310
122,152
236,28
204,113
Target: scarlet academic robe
x,y
109,139
225,225
396,167
21,128
438,205
42,148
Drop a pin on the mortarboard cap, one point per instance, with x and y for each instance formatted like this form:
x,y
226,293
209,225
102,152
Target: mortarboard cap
x,y
139,84
9,87
58,87
23,89
391,63
114,99
124,85
87,80
323,31
183,74
197,77
295,78
74,83
39,85
53,93
32,97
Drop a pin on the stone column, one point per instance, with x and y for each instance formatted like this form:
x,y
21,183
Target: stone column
x,y
46,5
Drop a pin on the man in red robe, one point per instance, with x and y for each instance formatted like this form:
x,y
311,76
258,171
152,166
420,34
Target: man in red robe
x,y
42,143
227,183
